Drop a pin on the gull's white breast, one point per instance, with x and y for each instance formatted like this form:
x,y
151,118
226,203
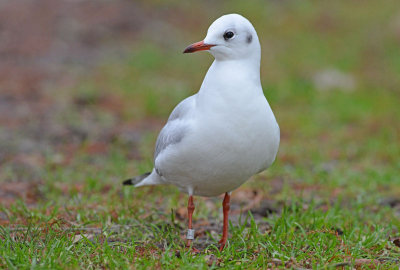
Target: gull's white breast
x,y
231,135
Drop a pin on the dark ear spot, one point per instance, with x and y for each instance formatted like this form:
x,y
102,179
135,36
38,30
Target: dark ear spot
x,y
249,38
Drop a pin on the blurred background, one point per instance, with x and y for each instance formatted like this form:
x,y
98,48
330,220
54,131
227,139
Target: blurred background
x,y
85,87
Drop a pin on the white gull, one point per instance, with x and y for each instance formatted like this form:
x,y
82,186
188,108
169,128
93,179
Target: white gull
x,y
217,139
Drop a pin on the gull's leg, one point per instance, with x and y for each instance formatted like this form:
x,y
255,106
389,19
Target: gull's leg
x,y
190,233
225,207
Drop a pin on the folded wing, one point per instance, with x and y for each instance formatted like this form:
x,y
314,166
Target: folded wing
x,y
176,128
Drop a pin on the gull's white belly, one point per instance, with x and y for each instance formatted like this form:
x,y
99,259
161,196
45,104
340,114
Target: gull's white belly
x,y
219,155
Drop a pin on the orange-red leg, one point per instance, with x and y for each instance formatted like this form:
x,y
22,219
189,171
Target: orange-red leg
x,y
190,235
225,207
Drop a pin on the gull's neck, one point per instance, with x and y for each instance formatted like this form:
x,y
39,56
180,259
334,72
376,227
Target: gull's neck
x,y
228,84
234,70
232,77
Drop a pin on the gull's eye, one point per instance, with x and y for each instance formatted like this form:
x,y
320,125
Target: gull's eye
x,y
228,35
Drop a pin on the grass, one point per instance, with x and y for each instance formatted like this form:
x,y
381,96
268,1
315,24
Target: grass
x,y
337,165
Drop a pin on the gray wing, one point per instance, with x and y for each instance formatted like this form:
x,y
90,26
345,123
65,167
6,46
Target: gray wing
x,y
174,131
181,111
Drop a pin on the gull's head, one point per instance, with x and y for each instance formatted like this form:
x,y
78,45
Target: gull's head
x,y
230,37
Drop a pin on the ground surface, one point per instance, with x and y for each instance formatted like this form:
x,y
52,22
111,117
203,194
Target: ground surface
x,y
85,87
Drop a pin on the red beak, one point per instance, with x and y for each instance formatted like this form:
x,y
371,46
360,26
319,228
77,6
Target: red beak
x,y
198,46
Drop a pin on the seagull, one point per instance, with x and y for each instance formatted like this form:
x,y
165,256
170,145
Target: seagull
x,y
217,139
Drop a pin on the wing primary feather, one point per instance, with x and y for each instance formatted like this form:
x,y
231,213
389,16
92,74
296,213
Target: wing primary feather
x,y
136,180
